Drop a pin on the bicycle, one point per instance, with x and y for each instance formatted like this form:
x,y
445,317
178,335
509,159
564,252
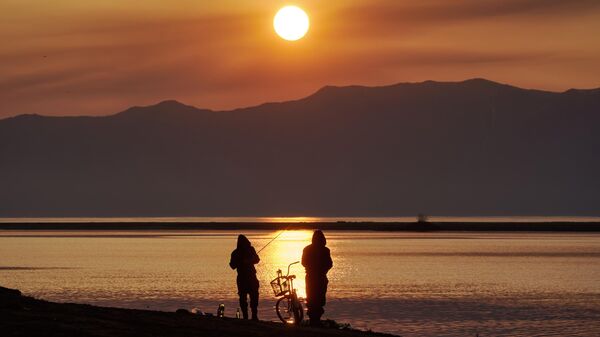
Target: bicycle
x,y
288,307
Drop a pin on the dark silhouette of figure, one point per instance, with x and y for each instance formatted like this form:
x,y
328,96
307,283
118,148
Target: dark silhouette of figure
x,y
316,258
243,258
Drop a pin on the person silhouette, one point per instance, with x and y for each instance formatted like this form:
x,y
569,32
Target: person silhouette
x,y
243,258
316,259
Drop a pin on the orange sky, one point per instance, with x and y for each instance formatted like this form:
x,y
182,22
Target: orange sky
x,y
73,57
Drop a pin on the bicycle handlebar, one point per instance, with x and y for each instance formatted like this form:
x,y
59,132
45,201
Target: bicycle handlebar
x,y
293,263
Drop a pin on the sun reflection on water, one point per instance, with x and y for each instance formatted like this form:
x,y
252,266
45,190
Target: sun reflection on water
x,y
297,219
283,251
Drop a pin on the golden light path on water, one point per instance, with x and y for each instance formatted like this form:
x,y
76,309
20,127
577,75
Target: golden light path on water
x,y
283,251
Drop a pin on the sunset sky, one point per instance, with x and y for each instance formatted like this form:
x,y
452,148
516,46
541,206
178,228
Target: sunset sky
x,y
73,57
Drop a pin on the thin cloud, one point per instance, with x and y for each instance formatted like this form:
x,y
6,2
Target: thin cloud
x,y
387,12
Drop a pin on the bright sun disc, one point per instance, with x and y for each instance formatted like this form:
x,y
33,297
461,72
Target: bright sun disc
x,y
291,23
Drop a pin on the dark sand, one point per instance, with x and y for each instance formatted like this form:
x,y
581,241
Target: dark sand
x,y
26,316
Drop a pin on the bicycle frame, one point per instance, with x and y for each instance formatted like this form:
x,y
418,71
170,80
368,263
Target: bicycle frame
x,y
293,303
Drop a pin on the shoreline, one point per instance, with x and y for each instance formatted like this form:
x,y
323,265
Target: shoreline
x,y
26,316
558,226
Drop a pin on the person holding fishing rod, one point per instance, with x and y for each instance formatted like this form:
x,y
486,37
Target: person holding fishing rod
x,y
243,258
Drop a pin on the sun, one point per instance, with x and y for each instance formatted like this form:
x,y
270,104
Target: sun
x,y
291,23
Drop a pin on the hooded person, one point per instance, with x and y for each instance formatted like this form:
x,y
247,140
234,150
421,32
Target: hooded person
x,y
243,259
316,258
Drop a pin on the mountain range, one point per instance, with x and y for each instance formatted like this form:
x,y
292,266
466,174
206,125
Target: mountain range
x,y
441,148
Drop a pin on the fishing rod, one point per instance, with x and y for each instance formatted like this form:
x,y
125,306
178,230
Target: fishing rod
x,y
273,239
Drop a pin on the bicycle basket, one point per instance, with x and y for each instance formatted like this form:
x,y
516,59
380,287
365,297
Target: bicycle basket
x,y
280,286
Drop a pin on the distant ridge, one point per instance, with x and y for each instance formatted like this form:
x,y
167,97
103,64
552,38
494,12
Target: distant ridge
x,y
474,147
174,105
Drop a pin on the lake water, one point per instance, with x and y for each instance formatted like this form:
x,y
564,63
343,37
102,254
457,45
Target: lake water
x,y
411,284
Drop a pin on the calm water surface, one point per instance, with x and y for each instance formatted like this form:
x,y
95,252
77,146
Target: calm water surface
x,y
411,284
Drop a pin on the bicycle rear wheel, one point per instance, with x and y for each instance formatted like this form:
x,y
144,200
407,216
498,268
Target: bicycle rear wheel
x,y
298,313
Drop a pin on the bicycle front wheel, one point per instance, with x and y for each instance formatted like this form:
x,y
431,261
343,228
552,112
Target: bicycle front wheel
x,y
285,310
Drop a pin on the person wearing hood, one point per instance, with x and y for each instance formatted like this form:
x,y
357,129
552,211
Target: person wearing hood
x,y
243,258
316,258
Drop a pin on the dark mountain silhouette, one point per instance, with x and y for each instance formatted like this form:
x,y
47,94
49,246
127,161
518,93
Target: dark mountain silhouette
x,y
468,148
